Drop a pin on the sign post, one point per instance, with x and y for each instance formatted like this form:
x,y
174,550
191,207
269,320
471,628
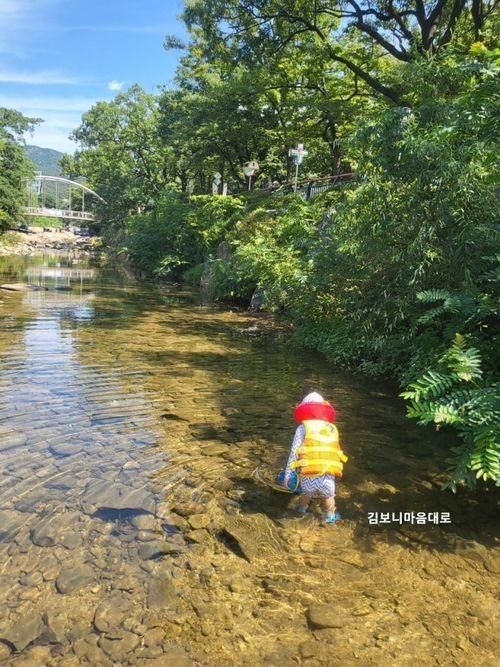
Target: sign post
x,y
249,169
298,155
216,182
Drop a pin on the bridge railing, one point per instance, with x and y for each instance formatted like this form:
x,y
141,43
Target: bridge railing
x,y
59,213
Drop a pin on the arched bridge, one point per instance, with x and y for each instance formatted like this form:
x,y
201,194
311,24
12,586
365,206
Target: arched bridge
x,y
57,197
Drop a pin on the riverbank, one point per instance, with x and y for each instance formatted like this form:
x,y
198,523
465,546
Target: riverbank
x,y
40,242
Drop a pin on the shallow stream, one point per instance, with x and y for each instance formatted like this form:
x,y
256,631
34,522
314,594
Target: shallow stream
x,y
136,425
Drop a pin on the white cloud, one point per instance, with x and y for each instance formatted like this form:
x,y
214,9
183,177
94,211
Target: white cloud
x,y
20,21
42,77
43,103
115,85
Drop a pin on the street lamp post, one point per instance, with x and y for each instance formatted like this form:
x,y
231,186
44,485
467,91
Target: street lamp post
x,y
298,155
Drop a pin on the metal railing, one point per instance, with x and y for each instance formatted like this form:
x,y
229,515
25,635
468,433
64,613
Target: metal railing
x,y
59,213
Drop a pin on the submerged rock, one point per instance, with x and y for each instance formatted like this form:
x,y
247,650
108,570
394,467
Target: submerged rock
x,y
111,613
197,521
65,449
73,578
104,494
23,632
59,530
115,648
9,522
161,593
12,441
326,616
158,548
250,536
22,287
4,652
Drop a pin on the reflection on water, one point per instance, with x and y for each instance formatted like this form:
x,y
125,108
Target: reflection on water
x,y
132,530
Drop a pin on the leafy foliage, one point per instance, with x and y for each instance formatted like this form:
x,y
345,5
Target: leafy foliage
x,y
457,395
15,167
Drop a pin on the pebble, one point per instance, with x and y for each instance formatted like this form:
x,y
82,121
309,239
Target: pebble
x,y
117,496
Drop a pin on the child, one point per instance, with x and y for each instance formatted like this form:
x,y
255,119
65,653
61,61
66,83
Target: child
x,y
315,455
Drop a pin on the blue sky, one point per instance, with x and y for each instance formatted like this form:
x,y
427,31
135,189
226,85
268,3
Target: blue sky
x,y
58,57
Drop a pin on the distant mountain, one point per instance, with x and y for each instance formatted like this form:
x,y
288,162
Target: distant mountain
x,y
46,159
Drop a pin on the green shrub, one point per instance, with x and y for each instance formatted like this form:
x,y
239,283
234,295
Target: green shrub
x,y
456,394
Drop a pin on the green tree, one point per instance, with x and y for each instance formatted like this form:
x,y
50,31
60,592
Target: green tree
x,y
121,154
15,168
360,36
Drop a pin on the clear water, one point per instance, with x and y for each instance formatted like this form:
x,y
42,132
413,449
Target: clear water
x,y
136,428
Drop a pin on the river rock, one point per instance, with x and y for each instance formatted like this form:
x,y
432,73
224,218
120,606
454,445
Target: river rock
x,y
4,652
144,522
73,578
154,636
9,522
214,450
492,563
118,647
175,657
57,530
104,494
251,536
12,441
55,629
197,521
161,593
22,287
326,616
158,548
63,483
24,631
65,449
111,613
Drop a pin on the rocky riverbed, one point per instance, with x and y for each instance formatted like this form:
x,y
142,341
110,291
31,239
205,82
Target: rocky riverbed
x,y
135,429
37,241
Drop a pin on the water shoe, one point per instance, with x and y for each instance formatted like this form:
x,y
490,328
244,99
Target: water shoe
x,y
333,518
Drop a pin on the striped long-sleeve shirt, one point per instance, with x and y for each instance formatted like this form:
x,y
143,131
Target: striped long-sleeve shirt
x,y
310,486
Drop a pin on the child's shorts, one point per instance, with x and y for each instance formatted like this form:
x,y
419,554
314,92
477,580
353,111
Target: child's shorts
x,y
323,486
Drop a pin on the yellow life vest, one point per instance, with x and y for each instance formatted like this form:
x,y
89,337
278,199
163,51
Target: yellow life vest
x,y
320,453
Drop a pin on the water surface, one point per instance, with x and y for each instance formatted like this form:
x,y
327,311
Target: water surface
x,y
134,529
